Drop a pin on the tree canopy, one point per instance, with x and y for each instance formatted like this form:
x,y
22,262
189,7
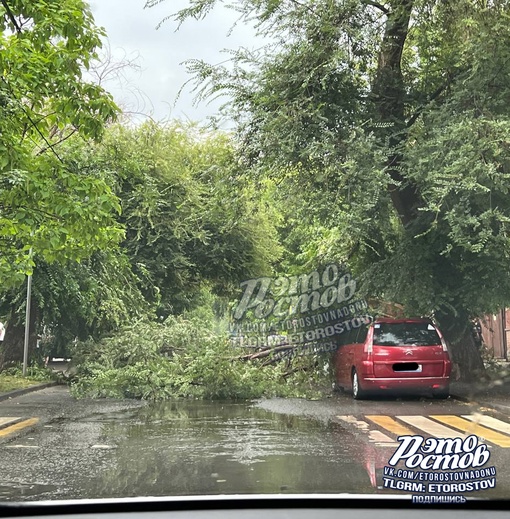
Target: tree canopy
x,y
394,119
47,206
192,227
189,217
373,134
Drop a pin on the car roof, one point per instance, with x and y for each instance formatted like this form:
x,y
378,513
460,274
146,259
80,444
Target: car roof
x,y
399,321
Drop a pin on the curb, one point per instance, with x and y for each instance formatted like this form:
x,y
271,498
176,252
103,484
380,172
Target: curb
x,y
462,398
25,390
498,407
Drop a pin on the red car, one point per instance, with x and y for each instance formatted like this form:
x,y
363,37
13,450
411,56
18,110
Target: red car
x,y
393,354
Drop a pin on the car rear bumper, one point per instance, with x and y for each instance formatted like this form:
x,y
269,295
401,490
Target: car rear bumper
x,y
410,383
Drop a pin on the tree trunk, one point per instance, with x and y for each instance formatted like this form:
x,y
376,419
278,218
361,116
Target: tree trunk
x,y
388,95
466,357
11,350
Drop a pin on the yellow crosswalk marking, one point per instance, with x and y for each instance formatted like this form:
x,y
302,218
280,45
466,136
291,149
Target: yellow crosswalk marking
x,y
388,423
430,427
6,420
473,428
486,428
488,421
17,427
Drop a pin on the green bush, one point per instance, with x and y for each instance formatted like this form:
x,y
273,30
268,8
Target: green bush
x,y
34,372
181,358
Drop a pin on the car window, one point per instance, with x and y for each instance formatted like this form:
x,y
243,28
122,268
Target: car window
x,y
409,334
361,334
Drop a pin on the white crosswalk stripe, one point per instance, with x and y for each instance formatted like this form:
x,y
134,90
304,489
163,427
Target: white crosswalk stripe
x,y
430,427
8,420
384,430
375,436
489,421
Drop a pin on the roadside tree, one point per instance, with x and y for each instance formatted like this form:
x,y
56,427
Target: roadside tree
x,y
48,208
394,120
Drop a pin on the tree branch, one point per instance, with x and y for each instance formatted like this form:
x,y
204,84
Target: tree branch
x,y
377,5
27,115
307,7
72,132
41,211
11,16
418,112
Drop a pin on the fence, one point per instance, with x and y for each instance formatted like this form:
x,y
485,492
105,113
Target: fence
x,y
496,333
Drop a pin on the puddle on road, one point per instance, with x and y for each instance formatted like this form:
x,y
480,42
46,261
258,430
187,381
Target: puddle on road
x,y
180,448
192,448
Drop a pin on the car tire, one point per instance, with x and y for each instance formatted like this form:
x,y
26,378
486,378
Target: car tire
x,y
441,394
357,392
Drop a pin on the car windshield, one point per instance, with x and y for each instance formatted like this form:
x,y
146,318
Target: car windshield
x,y
208,210
400,334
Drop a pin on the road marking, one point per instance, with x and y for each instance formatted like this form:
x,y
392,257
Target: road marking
x,y
381,439
374,436
430,427
6,420
18,427
473,428
450,426
488,421
352,420
22,446
388,423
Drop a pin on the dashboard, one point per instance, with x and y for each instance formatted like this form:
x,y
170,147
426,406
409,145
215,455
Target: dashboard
x,y
256,506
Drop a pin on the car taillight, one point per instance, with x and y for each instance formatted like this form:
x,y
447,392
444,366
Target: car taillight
x,y
443,344
369,347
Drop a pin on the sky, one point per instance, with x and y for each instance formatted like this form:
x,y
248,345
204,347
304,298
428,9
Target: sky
x,y
152,86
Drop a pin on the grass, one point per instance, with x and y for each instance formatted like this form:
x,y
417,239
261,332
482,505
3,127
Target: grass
x,y
9,382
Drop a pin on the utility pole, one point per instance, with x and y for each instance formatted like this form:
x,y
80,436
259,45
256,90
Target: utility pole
x,y
503,334
27,321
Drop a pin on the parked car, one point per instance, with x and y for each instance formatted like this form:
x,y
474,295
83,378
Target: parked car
x,y
393,354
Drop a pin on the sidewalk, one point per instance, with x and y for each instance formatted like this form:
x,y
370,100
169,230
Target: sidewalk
x,y
486,394
23,391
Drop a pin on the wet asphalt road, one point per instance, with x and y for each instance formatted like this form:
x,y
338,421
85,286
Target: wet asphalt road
x,y
104,448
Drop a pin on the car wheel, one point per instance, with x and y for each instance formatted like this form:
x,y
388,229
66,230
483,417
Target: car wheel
x,y
357,392
441,394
